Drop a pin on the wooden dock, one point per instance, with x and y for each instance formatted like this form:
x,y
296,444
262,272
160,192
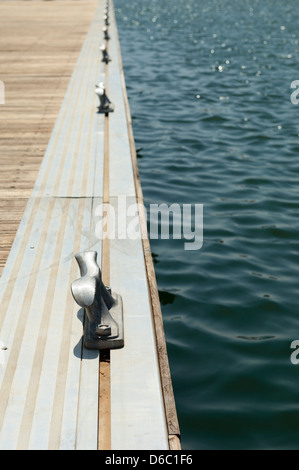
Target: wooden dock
x,y
55,393
39,46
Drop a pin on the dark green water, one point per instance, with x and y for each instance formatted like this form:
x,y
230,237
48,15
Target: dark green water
x,y
209,89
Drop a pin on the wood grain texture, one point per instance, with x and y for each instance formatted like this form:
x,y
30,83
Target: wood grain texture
x,y
48,380
39,46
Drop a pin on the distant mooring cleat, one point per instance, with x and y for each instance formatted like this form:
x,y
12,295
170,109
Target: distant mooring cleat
x,y
106,34
105,104
106,57
106,19
103,325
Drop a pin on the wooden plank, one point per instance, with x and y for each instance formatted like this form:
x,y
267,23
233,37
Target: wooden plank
x,y
36,70
49,382
104,437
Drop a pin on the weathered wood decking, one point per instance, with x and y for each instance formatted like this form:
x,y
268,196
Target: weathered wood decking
x,y
39,47
55,394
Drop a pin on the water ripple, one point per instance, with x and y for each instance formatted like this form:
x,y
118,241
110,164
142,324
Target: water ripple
x,y
209,90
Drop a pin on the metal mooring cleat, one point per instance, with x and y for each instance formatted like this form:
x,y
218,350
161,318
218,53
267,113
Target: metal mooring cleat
x,y
106,34
106,19
105,104
106,57
103,326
